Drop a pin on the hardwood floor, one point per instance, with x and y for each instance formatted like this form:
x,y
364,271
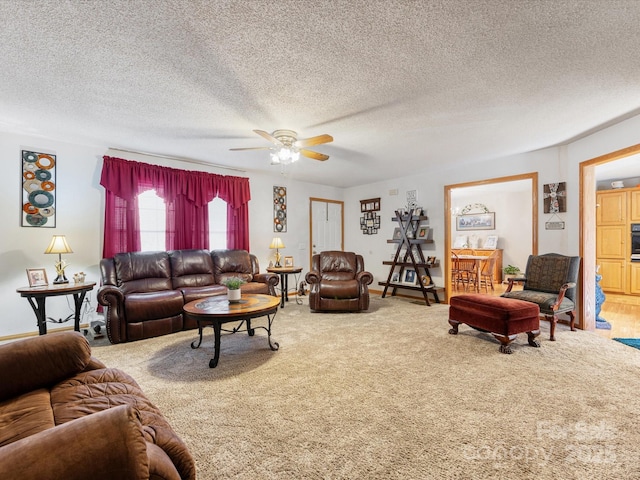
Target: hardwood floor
x,y
621,311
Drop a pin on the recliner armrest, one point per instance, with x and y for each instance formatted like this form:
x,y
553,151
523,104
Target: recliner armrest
x,y
313,277
101,446
364,278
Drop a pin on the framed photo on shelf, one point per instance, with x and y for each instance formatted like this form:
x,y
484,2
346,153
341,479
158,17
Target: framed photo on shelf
x,y
397,234
395,278
491,242
423,232
476,221
410,277
37,277
288,262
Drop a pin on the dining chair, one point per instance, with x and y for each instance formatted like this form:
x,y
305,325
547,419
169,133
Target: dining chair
x,y
466,270
487,272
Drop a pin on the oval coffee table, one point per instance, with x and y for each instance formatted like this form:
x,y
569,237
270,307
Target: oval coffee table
x,y
217,310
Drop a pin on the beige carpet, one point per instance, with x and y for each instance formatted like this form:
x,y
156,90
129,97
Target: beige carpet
x,y
389,394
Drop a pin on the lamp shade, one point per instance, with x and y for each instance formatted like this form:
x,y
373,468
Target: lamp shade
x,y
276,243
58,245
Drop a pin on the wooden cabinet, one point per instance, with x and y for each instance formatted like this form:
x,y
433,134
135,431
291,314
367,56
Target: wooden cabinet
x,y
616,211
614,273
612,207
611,241
634,206
497,271
634,278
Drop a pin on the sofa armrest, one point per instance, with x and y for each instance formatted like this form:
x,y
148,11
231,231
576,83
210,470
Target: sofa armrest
x,y
100,446
271,279
113,298
40,362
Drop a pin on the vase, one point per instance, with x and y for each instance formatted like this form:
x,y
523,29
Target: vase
x,y
234,295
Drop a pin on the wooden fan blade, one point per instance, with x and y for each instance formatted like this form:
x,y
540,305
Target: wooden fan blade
x,y
250,148
314,155
308,142
268,136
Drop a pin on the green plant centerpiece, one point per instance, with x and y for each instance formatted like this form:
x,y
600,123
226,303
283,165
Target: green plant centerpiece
x,y
510,271
233,288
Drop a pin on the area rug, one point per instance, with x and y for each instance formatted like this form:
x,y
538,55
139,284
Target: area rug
x,y
390,394
632,342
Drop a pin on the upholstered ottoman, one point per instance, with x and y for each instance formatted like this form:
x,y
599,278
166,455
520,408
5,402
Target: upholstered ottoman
x,y
504,318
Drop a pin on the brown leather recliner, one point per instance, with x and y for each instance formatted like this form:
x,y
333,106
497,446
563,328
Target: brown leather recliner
x,y
64,414
338,282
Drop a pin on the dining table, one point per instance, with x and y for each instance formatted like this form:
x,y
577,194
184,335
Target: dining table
x,y
477,264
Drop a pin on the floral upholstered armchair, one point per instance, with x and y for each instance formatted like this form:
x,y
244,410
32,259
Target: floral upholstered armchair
x,y
549,281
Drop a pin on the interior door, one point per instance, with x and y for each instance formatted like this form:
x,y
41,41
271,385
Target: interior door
x,y
326,220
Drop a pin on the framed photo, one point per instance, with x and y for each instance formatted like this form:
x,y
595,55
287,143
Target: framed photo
x,y
476,221
410,277
397,235
37,277
395,278
423,232
491,242
288,262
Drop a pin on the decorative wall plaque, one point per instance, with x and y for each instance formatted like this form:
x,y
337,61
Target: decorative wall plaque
x,y
280,209
38,189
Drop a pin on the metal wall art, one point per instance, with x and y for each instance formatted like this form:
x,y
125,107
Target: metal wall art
x,y
280,209
38,189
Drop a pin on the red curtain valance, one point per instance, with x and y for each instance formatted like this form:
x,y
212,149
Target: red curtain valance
x,y
190,191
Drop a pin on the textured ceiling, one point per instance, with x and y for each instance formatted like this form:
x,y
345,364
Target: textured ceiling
x,y
402,86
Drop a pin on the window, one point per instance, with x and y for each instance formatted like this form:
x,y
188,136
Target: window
x,y
217,224
152,210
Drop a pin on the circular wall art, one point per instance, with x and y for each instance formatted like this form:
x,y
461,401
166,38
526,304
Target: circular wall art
x,y
279,209
38,189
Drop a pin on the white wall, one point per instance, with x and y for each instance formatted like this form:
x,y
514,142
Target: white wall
x,y
80,210
80,213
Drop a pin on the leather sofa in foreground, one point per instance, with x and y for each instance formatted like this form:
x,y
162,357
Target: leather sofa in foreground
x,y
144,292
65,415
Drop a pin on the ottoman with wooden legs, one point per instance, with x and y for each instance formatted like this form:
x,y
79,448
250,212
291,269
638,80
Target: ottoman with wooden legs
x,y
504,318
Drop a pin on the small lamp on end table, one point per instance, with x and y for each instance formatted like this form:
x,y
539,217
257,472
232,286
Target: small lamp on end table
x,y
277,244
59,245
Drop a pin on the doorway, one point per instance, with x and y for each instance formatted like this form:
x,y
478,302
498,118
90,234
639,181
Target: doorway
x,y
326,226
588,230
529,217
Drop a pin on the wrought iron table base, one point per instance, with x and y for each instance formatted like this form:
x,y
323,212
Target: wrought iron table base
x,y
216,323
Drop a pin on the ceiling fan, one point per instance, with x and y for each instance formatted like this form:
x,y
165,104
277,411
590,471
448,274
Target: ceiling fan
x,y
288,148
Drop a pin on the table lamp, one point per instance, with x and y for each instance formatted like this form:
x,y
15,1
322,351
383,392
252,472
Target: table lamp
x,y
277,244
59,245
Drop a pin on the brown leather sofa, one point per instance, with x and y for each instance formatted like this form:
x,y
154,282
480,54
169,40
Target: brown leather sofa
x,y
144,292
65,415
337,282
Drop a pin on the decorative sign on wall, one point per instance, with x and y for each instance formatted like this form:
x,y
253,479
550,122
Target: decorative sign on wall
x,y
555,197
38,189
280,209
370,220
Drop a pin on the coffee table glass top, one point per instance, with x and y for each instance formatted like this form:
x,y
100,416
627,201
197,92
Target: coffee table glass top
x,y
221,306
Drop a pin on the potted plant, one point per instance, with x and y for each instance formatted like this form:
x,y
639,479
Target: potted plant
x,y
233,288
510,271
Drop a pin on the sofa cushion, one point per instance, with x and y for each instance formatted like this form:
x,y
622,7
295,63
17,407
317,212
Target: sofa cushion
x,y
97,390
153,305
191,268
49,358
26,415
336,265
143,271
232,263
340,289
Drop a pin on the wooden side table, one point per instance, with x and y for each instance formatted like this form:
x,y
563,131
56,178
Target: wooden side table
x,y
284,273
38,295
